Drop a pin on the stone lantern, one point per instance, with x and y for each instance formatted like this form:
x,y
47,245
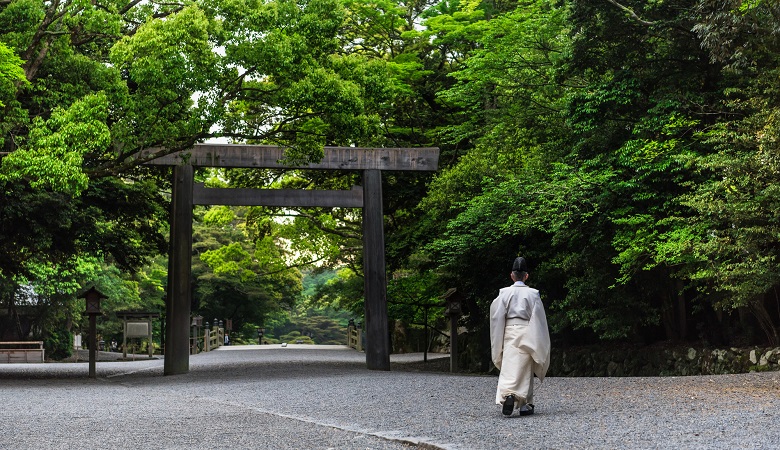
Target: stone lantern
x,y
453,302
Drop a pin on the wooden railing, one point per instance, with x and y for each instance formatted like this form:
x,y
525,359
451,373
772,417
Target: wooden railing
x,y
21,352
207,340
355,338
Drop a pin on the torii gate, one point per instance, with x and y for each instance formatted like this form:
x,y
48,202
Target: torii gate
x,y
369,197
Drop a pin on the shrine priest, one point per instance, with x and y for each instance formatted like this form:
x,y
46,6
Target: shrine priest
x,y
520,342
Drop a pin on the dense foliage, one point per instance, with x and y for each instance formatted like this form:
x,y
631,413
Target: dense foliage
x,y
627,148
644,194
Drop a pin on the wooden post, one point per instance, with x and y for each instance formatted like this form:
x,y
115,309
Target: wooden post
x,y
150,345
454,342
425,319
92,344
375,280
162,324
177,358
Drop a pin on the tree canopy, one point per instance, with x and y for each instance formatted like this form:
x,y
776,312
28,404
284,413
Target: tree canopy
x,y
628,149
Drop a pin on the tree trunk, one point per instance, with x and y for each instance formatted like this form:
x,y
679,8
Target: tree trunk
x,y
667,317
39,45
764,320
682,312
13,315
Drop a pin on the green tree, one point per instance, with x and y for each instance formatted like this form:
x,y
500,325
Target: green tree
x,y
653,202
511,88
11,74
237,277
85,87
735,227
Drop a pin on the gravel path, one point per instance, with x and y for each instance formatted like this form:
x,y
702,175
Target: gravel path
x,y
301,397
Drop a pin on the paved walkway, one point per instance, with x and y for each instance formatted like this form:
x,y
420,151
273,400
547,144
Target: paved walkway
x,y
302,397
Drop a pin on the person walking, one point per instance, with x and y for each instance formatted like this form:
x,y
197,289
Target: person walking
x,y
519,342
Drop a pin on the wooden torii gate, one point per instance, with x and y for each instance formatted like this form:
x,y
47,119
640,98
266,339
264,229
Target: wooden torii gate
x,y
371,161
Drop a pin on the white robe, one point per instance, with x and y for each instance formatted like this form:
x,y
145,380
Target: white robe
x,y
522,300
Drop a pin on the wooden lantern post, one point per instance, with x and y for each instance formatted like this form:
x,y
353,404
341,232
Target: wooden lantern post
x,y
92,297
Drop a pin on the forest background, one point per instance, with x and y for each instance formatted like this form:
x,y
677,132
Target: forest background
x,y
628,149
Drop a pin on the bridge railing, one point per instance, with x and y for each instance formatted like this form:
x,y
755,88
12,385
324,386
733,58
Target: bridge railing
x,y
355,337
207,340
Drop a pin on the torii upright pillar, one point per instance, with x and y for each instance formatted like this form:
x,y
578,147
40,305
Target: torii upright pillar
x,y
375,280
177,311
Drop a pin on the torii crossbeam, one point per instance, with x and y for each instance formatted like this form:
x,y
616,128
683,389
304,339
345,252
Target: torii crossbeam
x,y
371,161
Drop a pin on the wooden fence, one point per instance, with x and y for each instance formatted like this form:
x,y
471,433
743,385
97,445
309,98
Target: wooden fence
x,y
21,352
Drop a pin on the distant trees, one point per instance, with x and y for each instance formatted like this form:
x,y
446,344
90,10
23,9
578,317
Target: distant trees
x,y
236,277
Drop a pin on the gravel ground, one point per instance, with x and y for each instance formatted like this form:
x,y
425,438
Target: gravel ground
x,y
302,397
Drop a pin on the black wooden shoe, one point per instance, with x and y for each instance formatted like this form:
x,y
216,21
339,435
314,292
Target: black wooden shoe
x,y
527,409
509,405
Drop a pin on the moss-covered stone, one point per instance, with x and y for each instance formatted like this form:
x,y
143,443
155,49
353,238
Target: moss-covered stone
x,y
661,361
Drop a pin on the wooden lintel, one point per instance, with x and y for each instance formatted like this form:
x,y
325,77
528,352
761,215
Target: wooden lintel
x,y
278,197
272,157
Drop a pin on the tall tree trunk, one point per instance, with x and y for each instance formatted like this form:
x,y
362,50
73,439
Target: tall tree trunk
x,y
13,315
682,311
777,302
764,320
41,40
668,318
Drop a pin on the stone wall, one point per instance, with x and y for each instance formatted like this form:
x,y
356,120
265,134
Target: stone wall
x,y
598,361
614,360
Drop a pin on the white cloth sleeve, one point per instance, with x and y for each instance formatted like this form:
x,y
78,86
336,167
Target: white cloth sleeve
x,y
497,323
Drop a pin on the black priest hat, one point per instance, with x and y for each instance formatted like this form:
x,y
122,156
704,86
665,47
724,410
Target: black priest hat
x,y
520,265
